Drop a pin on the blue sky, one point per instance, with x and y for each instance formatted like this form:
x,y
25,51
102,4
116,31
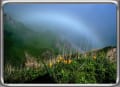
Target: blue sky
x,y
97,22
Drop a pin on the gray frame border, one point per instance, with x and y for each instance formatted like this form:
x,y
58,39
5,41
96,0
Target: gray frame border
x,y
57,2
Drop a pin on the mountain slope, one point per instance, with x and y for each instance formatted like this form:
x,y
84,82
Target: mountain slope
x,y
18,38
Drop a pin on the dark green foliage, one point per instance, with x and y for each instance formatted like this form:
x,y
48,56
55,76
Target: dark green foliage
x,y
88,70
12,48
18,39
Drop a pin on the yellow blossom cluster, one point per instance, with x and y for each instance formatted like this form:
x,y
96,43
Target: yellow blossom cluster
x,y
65,61
94,57
61,59
50,64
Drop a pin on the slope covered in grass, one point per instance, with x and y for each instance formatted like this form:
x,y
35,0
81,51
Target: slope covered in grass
x,y
84,69
18,39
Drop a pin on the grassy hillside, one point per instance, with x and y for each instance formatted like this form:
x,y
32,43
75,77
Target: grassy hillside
x,y
73,69
18,39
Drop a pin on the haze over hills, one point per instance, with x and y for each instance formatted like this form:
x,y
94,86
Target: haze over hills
x,y
18,38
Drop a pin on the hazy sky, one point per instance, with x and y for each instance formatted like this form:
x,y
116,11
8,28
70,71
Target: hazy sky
x,y
94,21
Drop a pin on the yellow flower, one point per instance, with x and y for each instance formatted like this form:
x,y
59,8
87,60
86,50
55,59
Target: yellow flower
x,y
61,58
94,57
50,64
58,60
65,61
69,61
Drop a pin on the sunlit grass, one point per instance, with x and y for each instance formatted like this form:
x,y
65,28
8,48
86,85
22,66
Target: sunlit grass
x,y
85,69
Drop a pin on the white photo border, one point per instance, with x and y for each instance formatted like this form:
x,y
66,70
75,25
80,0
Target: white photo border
x,y
54,2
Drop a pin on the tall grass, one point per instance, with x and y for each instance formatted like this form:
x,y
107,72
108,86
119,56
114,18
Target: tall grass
x,y
74,68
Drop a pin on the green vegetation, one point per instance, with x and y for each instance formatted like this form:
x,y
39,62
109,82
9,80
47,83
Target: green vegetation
x,y
89,69
18,39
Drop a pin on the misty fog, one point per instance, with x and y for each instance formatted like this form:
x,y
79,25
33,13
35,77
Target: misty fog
x,y
85,27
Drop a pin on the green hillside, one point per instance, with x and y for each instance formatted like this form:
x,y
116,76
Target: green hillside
x,y
18,39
